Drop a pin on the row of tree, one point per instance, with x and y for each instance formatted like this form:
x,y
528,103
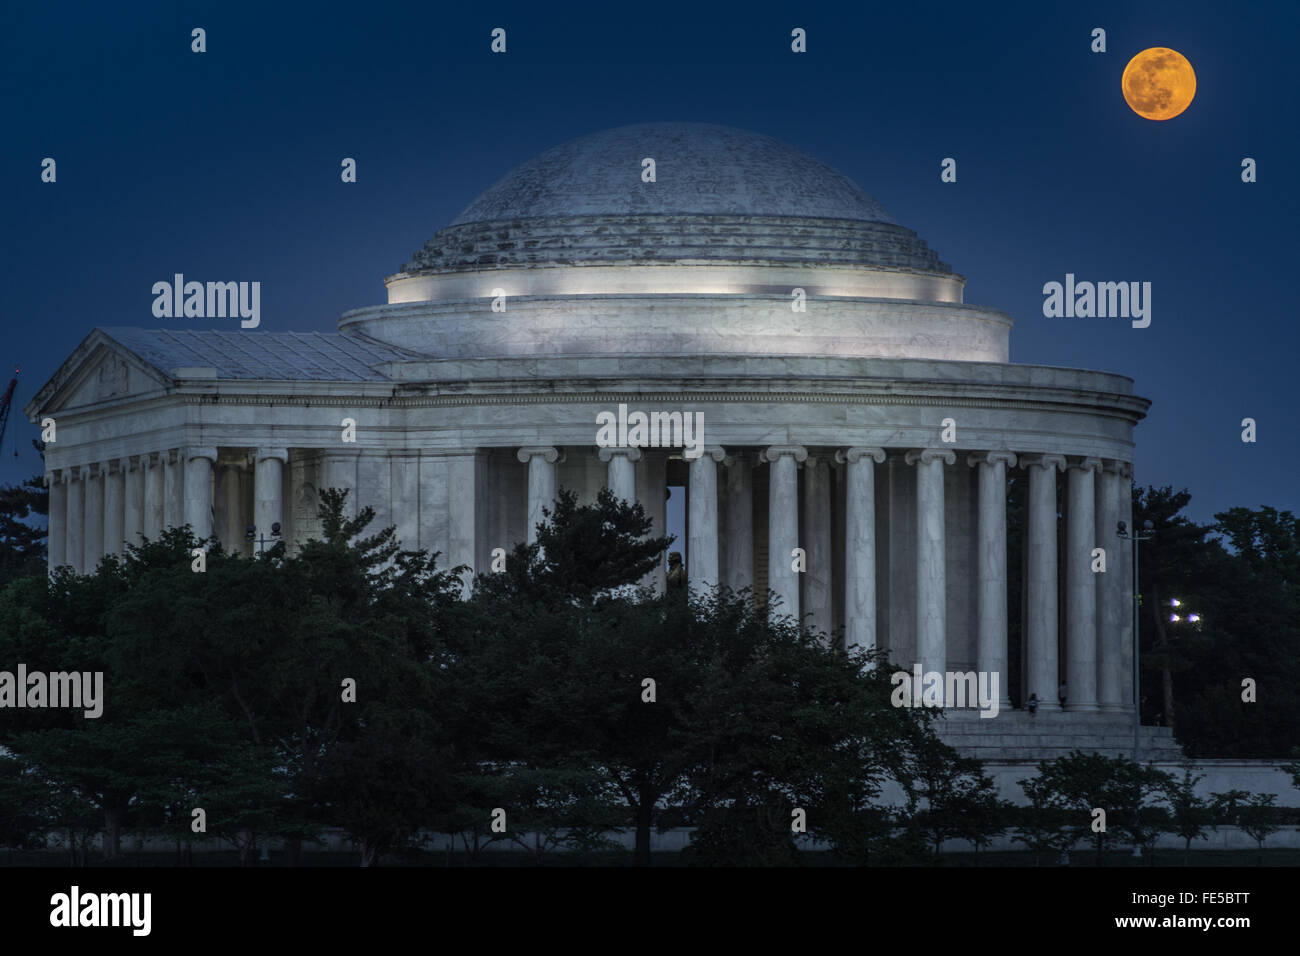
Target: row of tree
x,y
1240,574
349,686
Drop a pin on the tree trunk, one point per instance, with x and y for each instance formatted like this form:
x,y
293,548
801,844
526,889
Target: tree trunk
x,y
644,812
112,832
293,851
367,853
245,842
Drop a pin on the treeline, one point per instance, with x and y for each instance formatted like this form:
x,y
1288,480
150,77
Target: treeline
x,y
1228,681
350,686
1239,577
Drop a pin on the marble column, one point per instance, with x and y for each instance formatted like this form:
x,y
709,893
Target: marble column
x,y
1109,652
1081,587
198,490
816,533
133,505
114,499
740,520
654,498
1124,491
56,528
467,514
228,510
268,496
173,488
153,495
74,538
702,499
541,483
931,557
783,524
93,478
991,640
1041,584
621,472
860,545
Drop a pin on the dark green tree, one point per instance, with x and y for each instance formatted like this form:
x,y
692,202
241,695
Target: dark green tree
x,y
1191,815
22,545
949,796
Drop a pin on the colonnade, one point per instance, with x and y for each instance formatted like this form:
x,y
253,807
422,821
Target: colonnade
x,y
96,509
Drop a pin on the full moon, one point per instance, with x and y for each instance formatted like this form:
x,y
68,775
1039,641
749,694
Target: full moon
x,y
1159,83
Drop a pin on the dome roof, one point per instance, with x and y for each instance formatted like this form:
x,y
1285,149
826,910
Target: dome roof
x,y
719,195
700,168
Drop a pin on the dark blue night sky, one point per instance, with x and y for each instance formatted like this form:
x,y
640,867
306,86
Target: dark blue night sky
x,y
226,165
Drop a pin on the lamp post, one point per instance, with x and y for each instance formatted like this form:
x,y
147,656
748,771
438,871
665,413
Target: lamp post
x,y
260,540
1136,537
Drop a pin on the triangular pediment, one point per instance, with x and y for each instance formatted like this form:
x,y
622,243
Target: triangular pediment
x,y
100,370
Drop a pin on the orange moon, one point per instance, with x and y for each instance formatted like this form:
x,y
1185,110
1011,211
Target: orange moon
x,y
1159,83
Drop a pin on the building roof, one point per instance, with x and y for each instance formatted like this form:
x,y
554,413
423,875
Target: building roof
x,y
719,194
700,169
277,356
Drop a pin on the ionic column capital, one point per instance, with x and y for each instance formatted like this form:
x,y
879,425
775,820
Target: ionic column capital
x,y
991,458
1084,464
927,456
201,451
858,452
279,453
1111,466
716,452
773,452
1125,469
631,454
1048,462
549,453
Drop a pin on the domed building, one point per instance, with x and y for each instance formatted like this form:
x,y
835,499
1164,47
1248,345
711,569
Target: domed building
x,y
664,306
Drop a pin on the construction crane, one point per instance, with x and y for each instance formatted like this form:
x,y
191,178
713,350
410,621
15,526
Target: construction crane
x,y
5,404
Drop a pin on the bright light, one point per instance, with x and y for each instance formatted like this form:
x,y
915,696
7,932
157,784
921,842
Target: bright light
x,y
1193,617
1174,602
1174,617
